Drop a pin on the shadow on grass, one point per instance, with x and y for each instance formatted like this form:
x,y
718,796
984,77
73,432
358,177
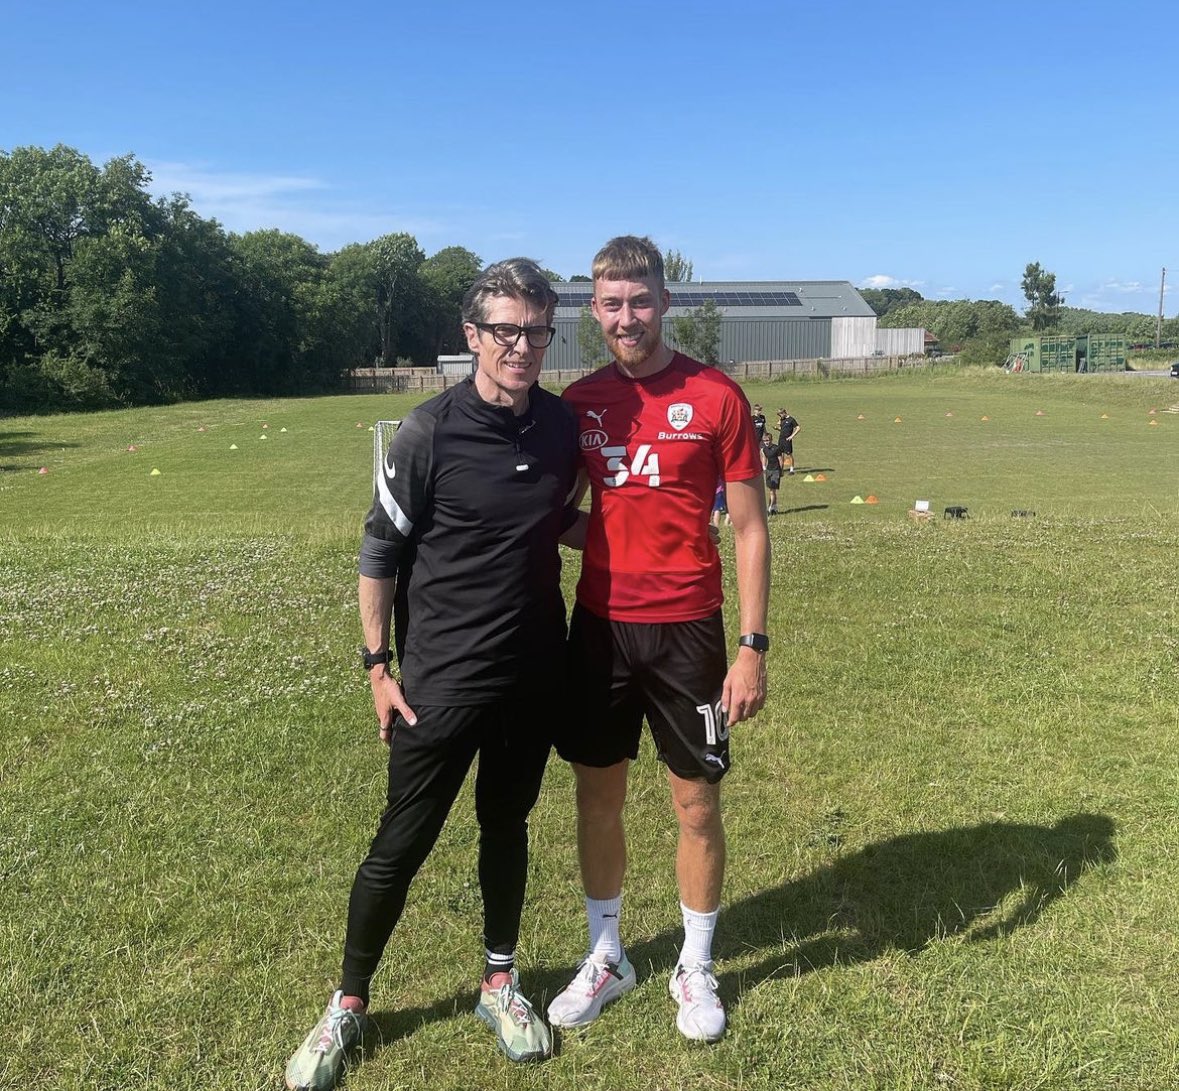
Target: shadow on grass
x,y
386,1028
904,894
14,445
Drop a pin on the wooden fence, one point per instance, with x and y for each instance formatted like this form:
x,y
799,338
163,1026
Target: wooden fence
x,y
404,380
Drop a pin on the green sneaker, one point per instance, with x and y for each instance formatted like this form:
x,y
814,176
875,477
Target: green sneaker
x,y
519,1031
318,1063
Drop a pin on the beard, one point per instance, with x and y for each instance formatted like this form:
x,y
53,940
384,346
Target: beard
x,y
633,356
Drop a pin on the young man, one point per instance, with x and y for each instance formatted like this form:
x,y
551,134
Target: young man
x,y
759,422
460,551
771,457
788,428
657,431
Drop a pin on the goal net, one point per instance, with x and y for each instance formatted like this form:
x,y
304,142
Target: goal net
x,y
382,434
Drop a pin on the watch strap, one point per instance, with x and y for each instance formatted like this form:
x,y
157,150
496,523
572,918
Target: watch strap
x,y
375,659
759,642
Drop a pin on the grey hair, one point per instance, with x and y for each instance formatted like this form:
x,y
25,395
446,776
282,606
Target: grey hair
x,y
515,278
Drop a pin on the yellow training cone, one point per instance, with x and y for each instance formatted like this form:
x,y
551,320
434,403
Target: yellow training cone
x,y
1105,416
949,414
860,417
986,418
1154,424
233,446
261,437
154,473
896,420
1039,412
857,500
282,429
809,477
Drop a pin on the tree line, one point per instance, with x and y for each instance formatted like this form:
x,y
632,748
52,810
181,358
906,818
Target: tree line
x,y
982,327
109,296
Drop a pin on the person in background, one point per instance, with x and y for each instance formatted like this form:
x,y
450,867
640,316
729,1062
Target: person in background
x,y
759,422
771,459
788,428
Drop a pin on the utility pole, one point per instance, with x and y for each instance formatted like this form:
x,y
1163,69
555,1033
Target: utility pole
x,y
1158,326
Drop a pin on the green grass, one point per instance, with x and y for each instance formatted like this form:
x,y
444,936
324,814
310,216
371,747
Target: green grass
x,y
952,830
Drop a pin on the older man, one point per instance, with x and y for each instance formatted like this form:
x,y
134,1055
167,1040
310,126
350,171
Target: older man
x,y
460,551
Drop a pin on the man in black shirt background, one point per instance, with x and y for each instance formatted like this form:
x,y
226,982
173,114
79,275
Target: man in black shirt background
x,y
759,421
788,428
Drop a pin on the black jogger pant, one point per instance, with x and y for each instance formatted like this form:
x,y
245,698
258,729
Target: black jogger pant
x,y
427,765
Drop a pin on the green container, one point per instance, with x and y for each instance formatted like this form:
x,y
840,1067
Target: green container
x,y
1051,352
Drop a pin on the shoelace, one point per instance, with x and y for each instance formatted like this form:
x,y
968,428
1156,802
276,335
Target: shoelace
x,y
333,1029
708,982
591,974
513,1004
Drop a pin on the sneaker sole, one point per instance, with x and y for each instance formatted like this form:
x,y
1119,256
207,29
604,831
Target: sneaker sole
x,y
511,1054
627,984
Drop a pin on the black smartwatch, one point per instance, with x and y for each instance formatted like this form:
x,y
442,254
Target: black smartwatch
x,y
375,659
759,642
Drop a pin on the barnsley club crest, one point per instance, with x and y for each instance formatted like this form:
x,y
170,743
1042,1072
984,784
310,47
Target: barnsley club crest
x,y
679,416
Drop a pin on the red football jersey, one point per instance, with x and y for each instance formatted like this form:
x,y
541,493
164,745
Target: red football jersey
x,y
654,450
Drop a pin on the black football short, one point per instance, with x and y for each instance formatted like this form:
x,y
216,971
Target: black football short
x,y
773,478
672,673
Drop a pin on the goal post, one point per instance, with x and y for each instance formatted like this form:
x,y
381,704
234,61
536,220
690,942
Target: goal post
x,y
382,434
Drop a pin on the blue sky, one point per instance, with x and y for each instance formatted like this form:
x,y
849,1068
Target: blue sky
x,y
937,145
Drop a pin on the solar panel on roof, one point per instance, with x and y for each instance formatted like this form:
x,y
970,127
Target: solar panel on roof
x,y
582,297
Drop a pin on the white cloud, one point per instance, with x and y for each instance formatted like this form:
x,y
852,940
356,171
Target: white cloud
x,y
882,280
304,205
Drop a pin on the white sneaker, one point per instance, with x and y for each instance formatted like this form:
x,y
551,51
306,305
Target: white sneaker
x,y
701,1016
595,985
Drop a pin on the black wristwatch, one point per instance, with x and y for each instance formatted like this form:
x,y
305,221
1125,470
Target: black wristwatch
x,y
375,659
759,642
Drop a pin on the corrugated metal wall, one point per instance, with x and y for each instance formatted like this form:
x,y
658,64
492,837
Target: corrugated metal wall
x,y
852,337
900,342
741,339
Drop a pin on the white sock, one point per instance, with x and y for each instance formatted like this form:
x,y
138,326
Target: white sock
x,y
698,930
604,939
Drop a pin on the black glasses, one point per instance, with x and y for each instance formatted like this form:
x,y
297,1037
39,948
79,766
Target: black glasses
x,y
506,334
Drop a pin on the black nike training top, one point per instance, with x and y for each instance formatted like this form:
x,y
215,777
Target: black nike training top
x,y
466,516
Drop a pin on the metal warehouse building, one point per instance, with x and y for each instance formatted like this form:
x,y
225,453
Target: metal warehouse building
x,y
762,320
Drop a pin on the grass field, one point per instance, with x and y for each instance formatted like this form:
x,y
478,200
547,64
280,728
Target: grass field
x,y
953,831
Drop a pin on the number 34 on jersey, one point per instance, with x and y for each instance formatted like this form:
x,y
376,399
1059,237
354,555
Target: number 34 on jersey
x,y
621,467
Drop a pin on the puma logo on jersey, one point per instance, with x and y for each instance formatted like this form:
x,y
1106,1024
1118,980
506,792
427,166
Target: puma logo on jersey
x,y
597,416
